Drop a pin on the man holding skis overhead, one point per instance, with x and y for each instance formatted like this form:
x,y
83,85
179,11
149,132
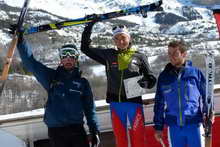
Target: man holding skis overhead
x,y
180,100
69,97
118,63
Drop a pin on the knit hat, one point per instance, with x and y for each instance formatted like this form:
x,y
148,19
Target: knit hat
x,y
121,29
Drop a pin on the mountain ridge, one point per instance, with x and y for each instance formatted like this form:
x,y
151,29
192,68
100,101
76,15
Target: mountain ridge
x,y
150,35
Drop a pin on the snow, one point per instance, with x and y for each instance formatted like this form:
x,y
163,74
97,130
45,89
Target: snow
x,y
152,59
201,3
40,112
3,15
5,38
73,8
76,9
133,18
98,70
24,77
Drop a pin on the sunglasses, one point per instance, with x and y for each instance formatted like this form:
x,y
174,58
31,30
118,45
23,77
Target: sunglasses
x,y
69,52
118,27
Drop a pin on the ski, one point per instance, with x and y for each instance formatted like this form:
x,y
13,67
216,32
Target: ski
x,y
12,46
100,17
210,81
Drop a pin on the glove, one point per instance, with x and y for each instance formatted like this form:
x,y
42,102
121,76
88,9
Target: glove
x,y
14,29
143,82
148,82
94,140
94,18
151,81
85,40
207,120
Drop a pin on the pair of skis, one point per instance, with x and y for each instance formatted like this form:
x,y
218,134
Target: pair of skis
x,y
99,17
210,81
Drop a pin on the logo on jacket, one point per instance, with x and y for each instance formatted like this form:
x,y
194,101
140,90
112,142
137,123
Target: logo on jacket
x,y
114,64
77,84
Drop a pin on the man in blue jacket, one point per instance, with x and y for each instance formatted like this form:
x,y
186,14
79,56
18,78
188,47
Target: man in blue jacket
x,y
180,99
69,97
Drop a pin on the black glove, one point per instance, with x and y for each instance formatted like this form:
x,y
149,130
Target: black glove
x,y
94,140
151,81
148,82
143,82
94,18
85,40
14,29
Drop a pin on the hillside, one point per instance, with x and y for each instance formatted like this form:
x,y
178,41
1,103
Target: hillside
x,y
150,35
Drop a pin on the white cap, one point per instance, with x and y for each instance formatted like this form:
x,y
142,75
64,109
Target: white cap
x,y
120,30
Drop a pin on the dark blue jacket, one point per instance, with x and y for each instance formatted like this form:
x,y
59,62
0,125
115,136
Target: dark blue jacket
x,y
69,95
180,97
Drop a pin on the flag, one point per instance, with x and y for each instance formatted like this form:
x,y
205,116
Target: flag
x,y
216,13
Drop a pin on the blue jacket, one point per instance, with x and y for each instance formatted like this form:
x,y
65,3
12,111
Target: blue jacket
x,y
180,97
69,95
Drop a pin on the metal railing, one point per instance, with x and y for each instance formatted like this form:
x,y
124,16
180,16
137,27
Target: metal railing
x,y
101,105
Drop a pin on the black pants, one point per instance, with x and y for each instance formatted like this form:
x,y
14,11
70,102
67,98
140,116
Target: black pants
x,y
69,136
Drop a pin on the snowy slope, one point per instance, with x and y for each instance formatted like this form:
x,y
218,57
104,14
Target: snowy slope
x,y
150,35
159,27
177,19
76,9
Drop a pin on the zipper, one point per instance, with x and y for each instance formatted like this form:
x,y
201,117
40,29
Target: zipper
x,y
119,94
179,96
186,94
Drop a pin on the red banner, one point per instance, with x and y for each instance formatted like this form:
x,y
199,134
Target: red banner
x,y
217,18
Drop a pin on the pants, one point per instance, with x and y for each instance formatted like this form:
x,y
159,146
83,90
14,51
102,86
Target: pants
x,y
186,136
69,136
119,114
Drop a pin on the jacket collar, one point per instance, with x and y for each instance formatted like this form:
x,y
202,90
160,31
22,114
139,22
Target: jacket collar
x,y
173,70
67,74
